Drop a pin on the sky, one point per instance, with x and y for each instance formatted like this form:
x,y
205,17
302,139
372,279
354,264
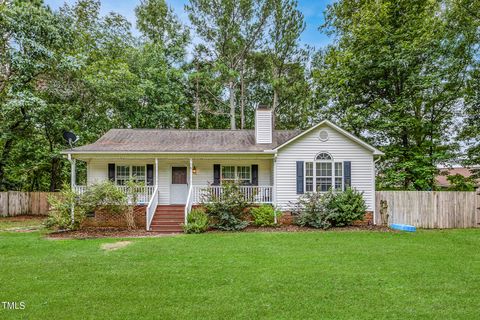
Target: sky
x,y
311,9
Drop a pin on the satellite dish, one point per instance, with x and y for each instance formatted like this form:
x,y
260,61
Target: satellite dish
x,y
70,137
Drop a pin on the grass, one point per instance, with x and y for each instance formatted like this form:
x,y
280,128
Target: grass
x,y
328,275
7,224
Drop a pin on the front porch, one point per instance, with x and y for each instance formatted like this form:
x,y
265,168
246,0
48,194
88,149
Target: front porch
x,y
199,193
181,182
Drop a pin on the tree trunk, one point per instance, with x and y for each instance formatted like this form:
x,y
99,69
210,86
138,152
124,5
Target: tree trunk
x,y
197,106
7,147
54,170
242,99
231,90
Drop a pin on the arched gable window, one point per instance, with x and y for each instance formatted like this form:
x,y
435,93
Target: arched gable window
x,y
324,156
323,173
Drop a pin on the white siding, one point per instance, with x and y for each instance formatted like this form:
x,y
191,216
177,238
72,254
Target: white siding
x,y
307,147
263,126
97,170
205,170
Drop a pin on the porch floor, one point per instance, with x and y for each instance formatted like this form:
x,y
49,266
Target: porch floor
x,y
168,219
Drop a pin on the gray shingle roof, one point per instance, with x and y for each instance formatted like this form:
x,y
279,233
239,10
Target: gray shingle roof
x,y
169,140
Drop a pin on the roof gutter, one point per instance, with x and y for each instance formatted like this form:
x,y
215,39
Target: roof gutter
x,y
70,152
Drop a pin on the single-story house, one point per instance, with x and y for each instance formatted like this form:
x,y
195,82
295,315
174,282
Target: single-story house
x,y
441,180
177,167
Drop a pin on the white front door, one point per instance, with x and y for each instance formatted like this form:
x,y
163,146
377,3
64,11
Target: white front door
x,y
179,187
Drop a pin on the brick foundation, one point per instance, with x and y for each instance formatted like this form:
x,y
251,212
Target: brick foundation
x,y
367,220
104,219
287,219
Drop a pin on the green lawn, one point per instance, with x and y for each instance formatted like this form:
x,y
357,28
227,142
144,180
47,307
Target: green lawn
x,y
341,275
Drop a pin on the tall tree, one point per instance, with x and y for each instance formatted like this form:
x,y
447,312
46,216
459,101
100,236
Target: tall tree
x,y
468,13
159,24
395,75
31,35
230,30
284,50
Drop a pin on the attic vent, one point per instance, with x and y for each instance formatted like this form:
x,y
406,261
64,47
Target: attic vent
x,y
323,135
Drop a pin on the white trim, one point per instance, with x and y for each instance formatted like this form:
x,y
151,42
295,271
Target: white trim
x,y
374,191
333,126
274,195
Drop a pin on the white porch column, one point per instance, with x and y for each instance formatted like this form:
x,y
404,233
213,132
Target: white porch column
x,y
156,171
73,180
191,173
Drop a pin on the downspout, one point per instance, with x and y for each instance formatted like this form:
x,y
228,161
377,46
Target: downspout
x,y
275,188
375,191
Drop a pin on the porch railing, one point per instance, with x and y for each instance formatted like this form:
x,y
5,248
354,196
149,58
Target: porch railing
x,y
252,194
152,207
144,193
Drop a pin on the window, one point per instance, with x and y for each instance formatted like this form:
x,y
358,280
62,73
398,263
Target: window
x,y
323,174
240,174
134,173
122,175
338,176
309,176
138,174
244,174
323,156
228,174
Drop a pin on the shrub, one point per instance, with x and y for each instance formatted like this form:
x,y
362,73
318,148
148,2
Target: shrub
x,y
197,222
324,210
133,189
264,215
227,209
346,207
59,215
312,210
105,196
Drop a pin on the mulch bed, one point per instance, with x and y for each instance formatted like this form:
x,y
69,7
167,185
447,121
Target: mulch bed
x,y
295,228
91,233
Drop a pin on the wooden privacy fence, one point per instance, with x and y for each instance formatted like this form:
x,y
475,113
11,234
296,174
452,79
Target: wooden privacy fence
x,y
15,203
429,209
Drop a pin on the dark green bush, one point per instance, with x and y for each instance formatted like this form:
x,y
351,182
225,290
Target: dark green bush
x,y
227,211
346,207
264,215
197,222
324,210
